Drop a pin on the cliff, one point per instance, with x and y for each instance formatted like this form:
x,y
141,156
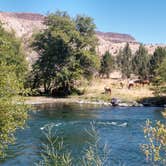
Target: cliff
x,y
25,24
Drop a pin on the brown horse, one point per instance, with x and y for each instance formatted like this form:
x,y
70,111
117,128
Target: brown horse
x,y
145,82
107,90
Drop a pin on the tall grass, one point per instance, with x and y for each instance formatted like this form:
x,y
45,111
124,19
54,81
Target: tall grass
x,y
54,153
155,148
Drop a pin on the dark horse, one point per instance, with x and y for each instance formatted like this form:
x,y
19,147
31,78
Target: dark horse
x,y
107,90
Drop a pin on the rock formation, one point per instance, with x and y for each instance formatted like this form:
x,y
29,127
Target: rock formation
x,y
25,24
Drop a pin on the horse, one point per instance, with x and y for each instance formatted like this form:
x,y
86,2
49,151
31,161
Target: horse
x,y
138,82
122,84
130,84
145,82
107,90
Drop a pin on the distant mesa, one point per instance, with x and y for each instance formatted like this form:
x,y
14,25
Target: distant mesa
x,y
116,37
26,16
25,24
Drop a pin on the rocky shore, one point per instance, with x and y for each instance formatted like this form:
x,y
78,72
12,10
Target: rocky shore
x,y
50,100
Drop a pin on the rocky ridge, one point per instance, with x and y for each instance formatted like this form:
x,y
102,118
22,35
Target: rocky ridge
x,y
25,24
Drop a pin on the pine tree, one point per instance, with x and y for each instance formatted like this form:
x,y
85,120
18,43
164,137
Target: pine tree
x,y
156,59
124,60
140,62
107,64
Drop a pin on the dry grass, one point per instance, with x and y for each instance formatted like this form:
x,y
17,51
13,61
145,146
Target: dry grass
x,y
96,90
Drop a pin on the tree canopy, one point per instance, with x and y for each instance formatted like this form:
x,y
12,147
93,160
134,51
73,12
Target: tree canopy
x,y
160,79
140,62
12,73
67,52
124,60
156,59
107,64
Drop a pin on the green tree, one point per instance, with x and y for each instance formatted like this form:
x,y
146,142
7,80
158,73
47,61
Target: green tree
x,y
156,59
155,148
107,64
11,52
12,73
66,52
124,60
160,79
140,62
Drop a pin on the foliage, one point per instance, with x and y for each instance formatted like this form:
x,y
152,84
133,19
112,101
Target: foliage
x,y
54,152
156,59
124,61
93,156
11,53
160,79
140,62
155,149
107,64
67,52
12,73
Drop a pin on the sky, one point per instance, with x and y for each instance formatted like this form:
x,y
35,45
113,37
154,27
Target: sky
x,y
143,19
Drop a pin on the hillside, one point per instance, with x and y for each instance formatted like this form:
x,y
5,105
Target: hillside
x,y
25,24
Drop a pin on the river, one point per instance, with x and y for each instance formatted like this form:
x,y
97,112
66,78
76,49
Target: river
x,y
121,128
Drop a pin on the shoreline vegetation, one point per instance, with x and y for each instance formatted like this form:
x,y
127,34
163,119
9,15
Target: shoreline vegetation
x,y
95,94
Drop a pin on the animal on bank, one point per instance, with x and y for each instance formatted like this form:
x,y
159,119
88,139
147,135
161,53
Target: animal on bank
x,y
107,90
138,83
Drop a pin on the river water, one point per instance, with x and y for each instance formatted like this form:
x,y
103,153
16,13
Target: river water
x,y
120,128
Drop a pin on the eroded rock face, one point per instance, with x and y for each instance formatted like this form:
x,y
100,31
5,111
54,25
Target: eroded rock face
x,y
116,37
25,24
113,42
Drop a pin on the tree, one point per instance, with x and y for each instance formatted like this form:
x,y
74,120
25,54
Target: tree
x,y
66,50
140,62
155,147
124,60
12,73
156,59
160,79
11,52
107,64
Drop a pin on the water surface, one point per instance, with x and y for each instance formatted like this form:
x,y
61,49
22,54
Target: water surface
x,y
120,128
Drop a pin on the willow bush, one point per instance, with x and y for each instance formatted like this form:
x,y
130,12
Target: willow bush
x,y
155,148
12,71
54,152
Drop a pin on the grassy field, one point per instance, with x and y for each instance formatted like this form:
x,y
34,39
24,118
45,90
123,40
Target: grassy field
x,y
95,91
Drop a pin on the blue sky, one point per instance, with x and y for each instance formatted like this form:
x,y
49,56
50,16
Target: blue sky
x,y
144,19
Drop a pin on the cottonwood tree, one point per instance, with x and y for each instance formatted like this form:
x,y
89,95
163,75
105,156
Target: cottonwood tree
x,y
12,73
66,51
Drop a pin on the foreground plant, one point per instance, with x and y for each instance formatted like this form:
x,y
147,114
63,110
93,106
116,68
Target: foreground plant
x,y
93,153
12,71
155,148
54,152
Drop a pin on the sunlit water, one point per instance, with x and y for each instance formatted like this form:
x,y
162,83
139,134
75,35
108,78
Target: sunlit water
x,y
120,128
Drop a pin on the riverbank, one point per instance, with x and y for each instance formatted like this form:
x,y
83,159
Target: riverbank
x,y
50,100
94,94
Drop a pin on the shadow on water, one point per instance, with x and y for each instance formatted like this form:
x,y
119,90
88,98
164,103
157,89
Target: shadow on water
x,y
155,101
120,128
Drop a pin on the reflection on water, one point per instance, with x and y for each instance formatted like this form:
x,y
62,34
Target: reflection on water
x,y
120,128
